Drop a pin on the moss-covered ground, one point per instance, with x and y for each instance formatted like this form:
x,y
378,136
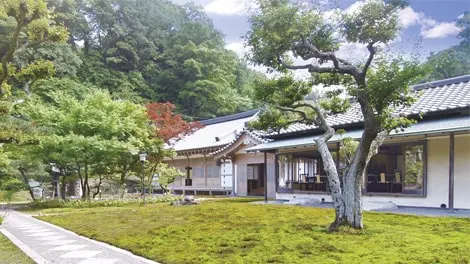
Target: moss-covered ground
x,y
21,196
231,231
9,253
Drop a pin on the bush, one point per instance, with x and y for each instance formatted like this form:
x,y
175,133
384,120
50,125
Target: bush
x,y
1,219
45,204
11,186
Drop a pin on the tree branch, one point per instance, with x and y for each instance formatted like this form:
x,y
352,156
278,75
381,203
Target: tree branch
x,y
374,147
339,68
311,51
8,56
301,113
372,51
321,121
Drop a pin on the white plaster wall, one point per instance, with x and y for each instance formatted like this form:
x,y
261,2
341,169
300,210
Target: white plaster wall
x,y
462,171
438,172
241,178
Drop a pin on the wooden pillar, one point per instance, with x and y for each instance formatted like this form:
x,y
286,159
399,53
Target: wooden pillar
x,y
234,190
205,170
291,178
451,171
276,171
265,177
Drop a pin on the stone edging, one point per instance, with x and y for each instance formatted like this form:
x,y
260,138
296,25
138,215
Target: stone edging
x,y
27,250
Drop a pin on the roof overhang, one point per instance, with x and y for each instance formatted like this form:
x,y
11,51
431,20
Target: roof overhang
x,y
459,124
202,151
243,140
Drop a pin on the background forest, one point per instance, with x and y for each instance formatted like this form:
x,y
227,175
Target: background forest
x,y
146,51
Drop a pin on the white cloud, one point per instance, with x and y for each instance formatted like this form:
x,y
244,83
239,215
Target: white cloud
x,y
461,16
430,28
228,7
408,17
441,30
237,47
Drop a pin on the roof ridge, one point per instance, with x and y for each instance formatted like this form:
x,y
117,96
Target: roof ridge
x,y
227,118
457,79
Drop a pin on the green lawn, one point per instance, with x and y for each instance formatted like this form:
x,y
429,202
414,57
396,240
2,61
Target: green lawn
x,y
21,196
236,232
9,253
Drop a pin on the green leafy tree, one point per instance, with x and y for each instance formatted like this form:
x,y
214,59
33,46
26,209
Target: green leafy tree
x,y
88,135
279,30
24,165
11,185
25,24
454,61
166,175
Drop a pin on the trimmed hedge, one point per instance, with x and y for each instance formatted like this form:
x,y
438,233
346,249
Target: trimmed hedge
x,y
45,204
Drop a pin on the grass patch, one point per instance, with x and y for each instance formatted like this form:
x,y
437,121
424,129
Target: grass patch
x,y
21,196
9,253
225,231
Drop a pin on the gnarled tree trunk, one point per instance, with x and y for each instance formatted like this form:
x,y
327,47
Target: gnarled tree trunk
x,y
347,200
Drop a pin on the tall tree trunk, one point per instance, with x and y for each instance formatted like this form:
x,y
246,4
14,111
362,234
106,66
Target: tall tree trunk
x,y
347,200
63,187
82,181
353,178
87,185
122,181
26,182
333,182
98,188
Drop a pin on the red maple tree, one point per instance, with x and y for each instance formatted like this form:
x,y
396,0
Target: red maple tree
x,y
170,126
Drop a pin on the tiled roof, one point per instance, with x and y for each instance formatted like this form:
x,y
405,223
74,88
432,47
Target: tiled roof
x,y
426,127
229,117
216,133
256,135
442,95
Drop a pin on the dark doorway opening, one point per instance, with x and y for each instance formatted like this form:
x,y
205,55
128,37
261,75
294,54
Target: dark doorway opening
x,y
255,179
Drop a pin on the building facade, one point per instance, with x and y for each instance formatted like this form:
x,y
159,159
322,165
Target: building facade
x,y
424,165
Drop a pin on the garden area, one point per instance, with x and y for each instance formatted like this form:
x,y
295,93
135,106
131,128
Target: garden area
x,y
235,231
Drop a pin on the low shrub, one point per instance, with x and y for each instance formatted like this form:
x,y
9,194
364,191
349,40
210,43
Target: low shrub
x,y
45,204
1,219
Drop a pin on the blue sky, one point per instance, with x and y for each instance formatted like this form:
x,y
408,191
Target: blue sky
x,y
428,25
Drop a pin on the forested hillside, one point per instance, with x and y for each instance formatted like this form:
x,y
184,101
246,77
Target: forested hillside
x,y
87,85
141,50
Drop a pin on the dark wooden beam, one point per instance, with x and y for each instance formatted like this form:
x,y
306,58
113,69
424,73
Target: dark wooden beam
x,y
276,171
451,171
265,177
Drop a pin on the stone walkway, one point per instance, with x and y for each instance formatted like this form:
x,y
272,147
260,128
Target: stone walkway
x,y
47,243
420,211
